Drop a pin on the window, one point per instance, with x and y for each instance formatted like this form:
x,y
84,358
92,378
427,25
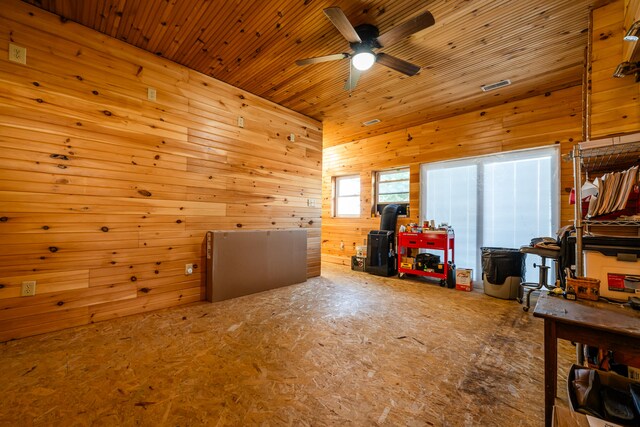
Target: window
x,y
347,196
392,186
501,200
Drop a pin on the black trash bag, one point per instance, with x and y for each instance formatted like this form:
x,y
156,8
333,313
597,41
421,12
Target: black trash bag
x,y
500,263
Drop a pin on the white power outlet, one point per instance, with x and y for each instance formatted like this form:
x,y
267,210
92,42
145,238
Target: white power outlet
x,y
151,94
188,269
28,288
241,122
17,54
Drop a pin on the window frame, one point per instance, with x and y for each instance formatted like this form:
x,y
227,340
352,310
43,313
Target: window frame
x,y
377,206
481,162
336,197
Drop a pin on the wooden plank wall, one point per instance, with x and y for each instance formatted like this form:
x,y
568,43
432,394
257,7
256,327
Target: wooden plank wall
x,y
105,196
615,102
553,118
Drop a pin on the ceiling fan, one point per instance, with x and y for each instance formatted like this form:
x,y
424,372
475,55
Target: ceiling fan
x,y
365,38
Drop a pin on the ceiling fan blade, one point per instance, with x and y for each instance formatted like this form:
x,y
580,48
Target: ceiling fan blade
x,y
319,59
340,21
397,64
405,29
354,76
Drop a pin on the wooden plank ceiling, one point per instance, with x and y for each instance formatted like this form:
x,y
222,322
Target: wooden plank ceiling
x,y
538,44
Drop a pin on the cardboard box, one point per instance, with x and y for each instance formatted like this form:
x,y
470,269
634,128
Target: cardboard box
x,y
564,417
407,265
464,280
616,277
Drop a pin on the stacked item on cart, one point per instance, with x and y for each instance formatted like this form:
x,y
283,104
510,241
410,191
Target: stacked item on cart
x,y
614,190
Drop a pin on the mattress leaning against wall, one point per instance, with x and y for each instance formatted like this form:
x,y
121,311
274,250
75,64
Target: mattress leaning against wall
x,y
243,262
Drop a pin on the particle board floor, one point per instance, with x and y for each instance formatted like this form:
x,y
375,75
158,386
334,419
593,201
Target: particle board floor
x,y
346,348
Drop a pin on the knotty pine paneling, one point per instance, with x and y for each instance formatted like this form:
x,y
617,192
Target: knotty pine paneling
x,y
105,196
551,119
538,44
615,102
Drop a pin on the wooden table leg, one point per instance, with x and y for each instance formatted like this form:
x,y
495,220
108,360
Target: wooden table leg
x,y
550,369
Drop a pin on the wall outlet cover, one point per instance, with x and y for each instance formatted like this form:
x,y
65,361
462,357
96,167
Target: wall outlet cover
x,y
17,54
28,288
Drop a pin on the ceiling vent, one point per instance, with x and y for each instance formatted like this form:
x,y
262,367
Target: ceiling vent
x,y
371,122
494,86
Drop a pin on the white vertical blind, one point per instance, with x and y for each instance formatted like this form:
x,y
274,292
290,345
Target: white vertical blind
x,y
502,200
454,187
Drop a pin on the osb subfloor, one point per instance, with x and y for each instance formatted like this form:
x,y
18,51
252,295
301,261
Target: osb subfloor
x,y
346,348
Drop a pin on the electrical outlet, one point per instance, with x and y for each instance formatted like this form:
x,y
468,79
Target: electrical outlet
x,y
188,269
341,245
28,288
17,54
292,137
151,94
241,122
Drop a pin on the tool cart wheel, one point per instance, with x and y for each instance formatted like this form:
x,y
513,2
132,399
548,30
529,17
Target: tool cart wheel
x,y
402,275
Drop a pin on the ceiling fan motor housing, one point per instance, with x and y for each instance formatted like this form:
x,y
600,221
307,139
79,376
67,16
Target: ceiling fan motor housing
x,y
368,34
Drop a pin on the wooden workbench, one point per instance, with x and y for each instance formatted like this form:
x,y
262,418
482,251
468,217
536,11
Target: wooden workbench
x,y
598,324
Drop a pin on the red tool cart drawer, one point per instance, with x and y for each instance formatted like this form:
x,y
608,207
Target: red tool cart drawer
x,y
422,240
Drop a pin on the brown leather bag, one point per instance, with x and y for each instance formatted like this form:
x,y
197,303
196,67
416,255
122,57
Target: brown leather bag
x,y
586,387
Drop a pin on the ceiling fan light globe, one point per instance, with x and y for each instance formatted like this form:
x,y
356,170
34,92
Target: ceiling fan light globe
x,y
362,61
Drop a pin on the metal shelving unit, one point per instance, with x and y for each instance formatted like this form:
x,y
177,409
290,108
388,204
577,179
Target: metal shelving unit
x,y
596,160
612,222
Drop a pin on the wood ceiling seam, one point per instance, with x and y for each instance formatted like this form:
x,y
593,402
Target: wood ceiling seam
x,y
245,55
133,30
173,47
261,25
148,17
268,44
228,38
113,17
158,31
103,15
214,42
129,11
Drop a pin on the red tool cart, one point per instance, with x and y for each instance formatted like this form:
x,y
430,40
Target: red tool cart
x,y
409,245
